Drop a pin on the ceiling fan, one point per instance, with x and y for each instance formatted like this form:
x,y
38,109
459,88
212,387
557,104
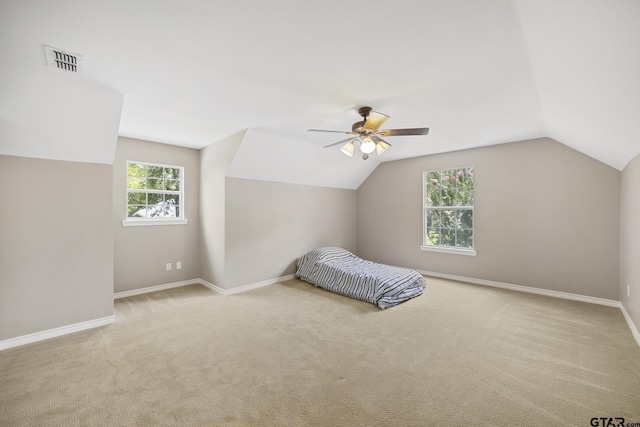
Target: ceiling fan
x,y
367,133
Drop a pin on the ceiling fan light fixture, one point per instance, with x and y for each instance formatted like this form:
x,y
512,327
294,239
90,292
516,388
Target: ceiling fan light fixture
x,y
366,134
381,147
367,146
347,149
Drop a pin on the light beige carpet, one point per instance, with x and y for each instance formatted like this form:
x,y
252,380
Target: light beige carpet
x,y
294,355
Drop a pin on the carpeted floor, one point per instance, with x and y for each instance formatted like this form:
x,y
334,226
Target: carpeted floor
x,y
294,355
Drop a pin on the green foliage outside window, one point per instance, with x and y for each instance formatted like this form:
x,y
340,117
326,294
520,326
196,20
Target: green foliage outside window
x,y
448,212
153,191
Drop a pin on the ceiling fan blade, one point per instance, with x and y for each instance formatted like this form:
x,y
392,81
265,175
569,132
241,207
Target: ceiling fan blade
x,y
375,120
339,142
403,132
332,131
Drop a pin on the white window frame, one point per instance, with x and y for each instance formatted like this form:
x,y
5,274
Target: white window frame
x,y
441,248
129,221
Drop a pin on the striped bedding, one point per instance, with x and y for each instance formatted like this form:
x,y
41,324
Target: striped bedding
x,y
341,272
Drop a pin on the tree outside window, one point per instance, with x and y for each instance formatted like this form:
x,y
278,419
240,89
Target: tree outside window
x,y
154,191
448,208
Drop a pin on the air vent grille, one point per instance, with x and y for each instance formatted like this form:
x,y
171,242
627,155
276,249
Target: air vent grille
x,y
63,60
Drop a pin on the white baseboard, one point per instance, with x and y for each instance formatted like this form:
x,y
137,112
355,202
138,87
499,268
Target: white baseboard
x,y
257,285
539,291
214,288
77,327
520,288
56,332
245,288
632,326
125,294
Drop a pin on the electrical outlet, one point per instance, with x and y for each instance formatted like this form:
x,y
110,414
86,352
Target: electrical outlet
x,y
628,290
168,266
178,265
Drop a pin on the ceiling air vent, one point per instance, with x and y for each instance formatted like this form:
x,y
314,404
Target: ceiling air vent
x,y
63,60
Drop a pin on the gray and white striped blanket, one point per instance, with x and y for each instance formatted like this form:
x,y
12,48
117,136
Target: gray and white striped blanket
x,y
341,272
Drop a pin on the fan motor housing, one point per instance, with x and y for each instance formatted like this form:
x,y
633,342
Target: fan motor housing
x,y
357,125
364,112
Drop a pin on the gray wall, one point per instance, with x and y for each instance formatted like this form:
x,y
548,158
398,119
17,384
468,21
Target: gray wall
x,y
56,244
214,162
630,239
142,252
269,225
546,216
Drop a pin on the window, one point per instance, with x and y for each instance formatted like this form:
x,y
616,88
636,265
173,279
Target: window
x,y
448,211
155,194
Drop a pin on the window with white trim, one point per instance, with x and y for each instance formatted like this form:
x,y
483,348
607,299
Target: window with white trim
x,y
155,194
448,210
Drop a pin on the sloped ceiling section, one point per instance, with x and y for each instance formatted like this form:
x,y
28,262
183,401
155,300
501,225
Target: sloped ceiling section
x,y
52,114
193,72
46,112
266,157
585,61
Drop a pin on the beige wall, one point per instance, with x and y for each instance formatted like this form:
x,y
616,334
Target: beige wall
x,y
269,225
630,239
142,252
214,162
56,244
546,216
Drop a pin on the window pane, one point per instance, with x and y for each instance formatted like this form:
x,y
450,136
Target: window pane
x,y
464,238
135,169
154,211
136,183
433,218
172,199
433,236
171,173
172,185
465,218
447,237
428,198
155,171
172,206
464,197
448,197
137,198
466,180
433,181
136,211
154,184
457,175
434,198
448,218
155,198
448,178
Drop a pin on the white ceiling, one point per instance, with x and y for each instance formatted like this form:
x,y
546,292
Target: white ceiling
x,y
475,72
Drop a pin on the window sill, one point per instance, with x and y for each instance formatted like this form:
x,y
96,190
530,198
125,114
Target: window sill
x,y
140,222
447,250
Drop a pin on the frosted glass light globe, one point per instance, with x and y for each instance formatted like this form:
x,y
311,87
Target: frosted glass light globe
x,y
367,146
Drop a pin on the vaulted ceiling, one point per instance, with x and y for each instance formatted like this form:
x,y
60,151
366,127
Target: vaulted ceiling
x,y
193,72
